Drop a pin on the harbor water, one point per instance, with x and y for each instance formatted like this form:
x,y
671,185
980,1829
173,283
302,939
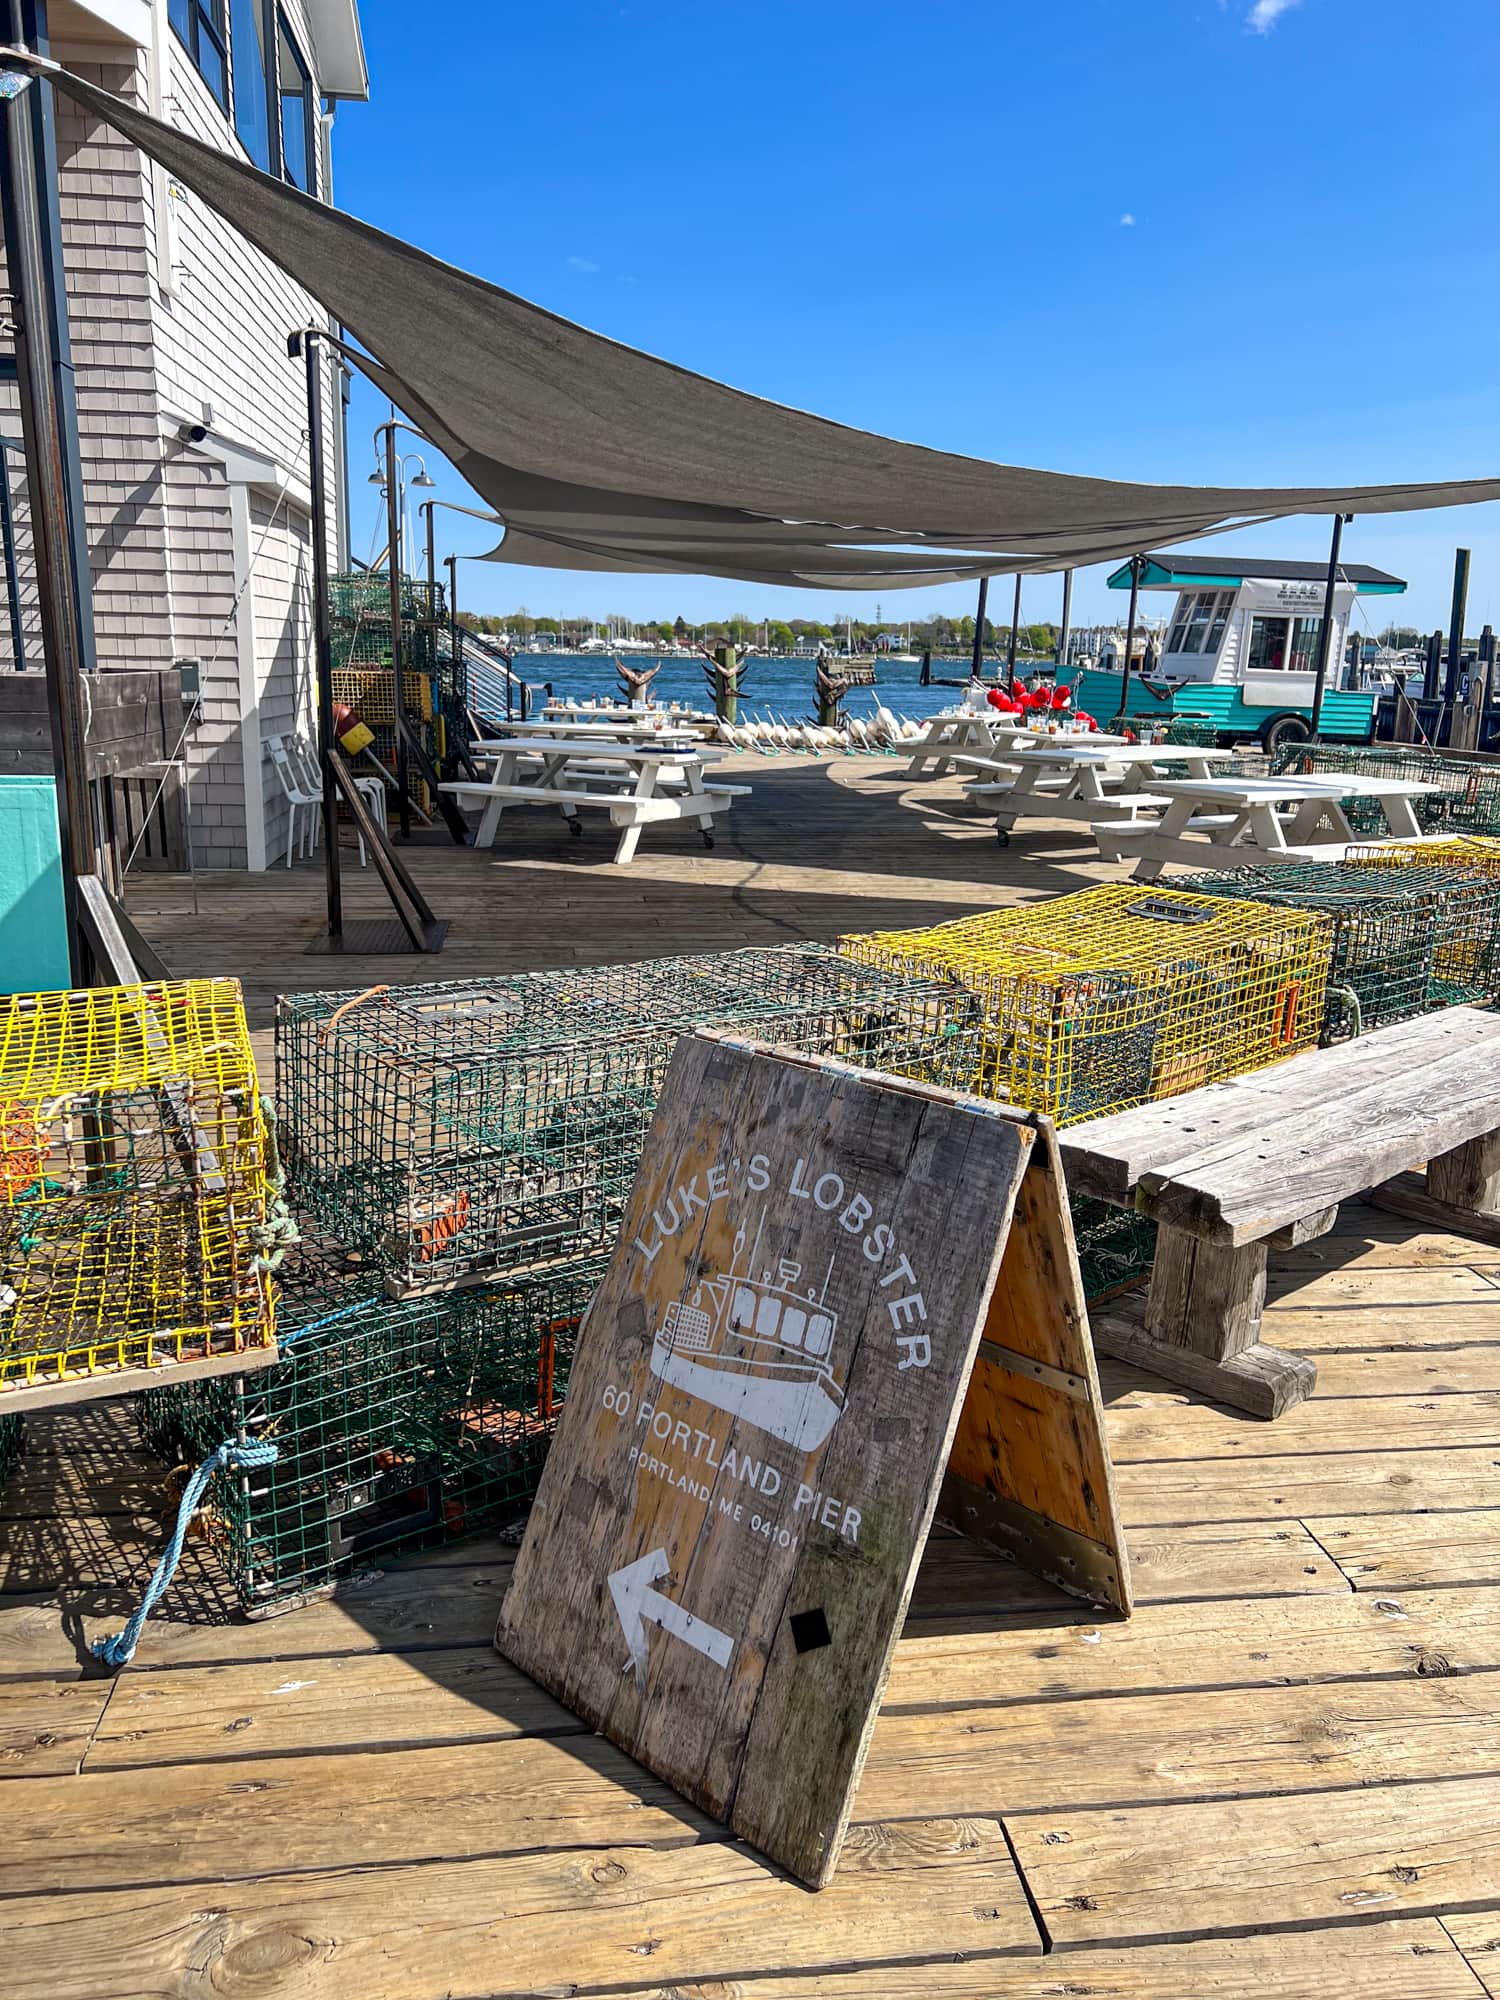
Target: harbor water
x,y
772,689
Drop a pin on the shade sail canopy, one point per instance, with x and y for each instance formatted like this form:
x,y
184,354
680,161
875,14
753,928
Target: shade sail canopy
x,y
599,457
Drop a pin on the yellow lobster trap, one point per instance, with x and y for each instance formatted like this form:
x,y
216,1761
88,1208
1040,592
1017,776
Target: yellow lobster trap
x,y
138,1215
1116,996
1478,852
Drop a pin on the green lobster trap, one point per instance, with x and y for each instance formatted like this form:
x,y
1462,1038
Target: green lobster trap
x,y
1466,798
455,1130
12,1436
396,1422
366,594
1115,1246
1405,940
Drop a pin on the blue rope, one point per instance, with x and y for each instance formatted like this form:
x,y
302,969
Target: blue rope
x,y
230,1456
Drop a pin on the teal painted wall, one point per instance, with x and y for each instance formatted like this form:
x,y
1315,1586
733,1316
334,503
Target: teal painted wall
x,y
33,922
1345,718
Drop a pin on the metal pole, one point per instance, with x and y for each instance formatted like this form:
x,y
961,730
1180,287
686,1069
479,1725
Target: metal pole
x,y
42,433
12,577
1135,593
28,19
1015,628
322,642
455,644
393,571
428,507
1325,631
984,591
1456,622
1067,619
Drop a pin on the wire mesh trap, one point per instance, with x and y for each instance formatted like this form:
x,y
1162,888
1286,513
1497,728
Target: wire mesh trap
x,y
12,1436
452,1130
1467,798
133,1182
1116,996
1405,940
1115,1245
397,1422
1473,852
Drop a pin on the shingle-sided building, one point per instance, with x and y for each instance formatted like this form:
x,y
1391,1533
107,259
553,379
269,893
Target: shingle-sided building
x,y
191,418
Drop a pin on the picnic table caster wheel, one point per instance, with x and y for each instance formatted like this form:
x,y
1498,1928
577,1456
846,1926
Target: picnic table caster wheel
x,y
708,840
575,827
1002,836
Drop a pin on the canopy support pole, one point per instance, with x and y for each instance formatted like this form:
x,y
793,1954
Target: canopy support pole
x,y
60,591
1015,631
978,659
1136,565
1065,629
417,929
322,636
1325,631
1456,624
393,572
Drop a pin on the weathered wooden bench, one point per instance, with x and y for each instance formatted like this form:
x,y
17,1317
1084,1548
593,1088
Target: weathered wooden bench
x,y
1260,1162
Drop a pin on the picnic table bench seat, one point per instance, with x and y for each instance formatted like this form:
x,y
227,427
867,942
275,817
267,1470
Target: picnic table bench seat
x,y
1262,1161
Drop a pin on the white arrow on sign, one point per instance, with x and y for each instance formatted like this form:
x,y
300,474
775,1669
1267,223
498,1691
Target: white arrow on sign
x,y
637,1604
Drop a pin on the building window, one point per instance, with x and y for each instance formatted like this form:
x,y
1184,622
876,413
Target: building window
x,y
1305,645
200,24
299,150
253,118
1198,626
1268,638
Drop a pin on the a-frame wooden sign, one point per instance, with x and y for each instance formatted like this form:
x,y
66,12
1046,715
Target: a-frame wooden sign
x,y
836,1297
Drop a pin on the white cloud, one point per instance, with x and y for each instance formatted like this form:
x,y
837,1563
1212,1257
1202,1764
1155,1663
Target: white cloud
x,y
587,264
1127,221
1264,15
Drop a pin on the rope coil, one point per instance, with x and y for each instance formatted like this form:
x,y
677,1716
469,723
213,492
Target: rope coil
x,y
231,1456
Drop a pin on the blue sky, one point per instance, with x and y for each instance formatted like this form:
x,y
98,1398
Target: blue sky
x,y
1242,241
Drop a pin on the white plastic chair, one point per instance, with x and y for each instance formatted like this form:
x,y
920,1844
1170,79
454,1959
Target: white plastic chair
x,y
370,787
298,794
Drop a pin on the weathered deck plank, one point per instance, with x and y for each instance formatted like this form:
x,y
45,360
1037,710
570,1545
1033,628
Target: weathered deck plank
x,y
1165,1872
530,1924
1318,1607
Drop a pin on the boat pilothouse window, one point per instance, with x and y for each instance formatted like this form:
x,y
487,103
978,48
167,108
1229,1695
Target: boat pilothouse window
x,y
774,1319
1280,645
1199,624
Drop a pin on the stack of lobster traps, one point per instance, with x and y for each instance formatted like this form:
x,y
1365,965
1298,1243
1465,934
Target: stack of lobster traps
x,y
434,692
461,1155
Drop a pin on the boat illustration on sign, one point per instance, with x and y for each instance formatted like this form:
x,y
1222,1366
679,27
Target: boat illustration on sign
x,y
757,1349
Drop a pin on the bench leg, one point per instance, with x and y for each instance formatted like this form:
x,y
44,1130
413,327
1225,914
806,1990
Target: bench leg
x,y
1469,1177
1201,1327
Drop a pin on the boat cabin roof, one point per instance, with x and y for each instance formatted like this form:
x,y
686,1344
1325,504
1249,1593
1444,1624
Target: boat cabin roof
x,y
1174,571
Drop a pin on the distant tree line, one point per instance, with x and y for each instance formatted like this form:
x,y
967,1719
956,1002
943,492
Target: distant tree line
x,y
940,633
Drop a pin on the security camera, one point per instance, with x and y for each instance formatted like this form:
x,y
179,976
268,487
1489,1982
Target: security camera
x,y
191,433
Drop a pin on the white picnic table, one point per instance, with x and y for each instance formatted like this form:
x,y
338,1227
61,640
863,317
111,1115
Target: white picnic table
x,y
1224,822
637,784
986,733
640,729
1082,780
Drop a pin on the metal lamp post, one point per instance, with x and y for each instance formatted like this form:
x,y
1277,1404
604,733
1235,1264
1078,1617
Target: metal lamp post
x,y
392,480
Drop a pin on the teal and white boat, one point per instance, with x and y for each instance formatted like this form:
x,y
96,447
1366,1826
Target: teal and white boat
x,y
1241,650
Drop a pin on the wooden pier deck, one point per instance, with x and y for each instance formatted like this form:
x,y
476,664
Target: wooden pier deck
x,y
1280,1779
